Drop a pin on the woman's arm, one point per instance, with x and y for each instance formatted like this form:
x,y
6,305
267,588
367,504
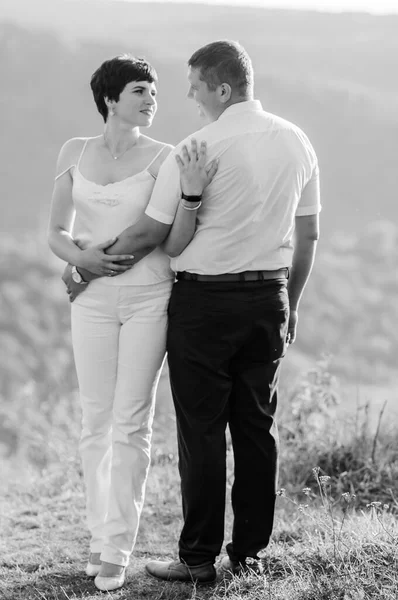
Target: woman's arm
x,y
62,212
194,177
183,229
62,216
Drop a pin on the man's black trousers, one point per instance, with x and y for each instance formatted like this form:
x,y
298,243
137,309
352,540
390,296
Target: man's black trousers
x,y
225,343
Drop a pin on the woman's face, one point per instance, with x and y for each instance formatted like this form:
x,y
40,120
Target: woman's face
x,y
137,103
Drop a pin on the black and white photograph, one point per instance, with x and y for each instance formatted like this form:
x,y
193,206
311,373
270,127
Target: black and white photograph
x,y
199,300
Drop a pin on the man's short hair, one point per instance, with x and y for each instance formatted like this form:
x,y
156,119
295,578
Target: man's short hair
x,y
110,79
224,61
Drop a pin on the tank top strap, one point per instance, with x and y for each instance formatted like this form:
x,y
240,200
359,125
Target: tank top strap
x,y
150,168
74,165
63,172
81,153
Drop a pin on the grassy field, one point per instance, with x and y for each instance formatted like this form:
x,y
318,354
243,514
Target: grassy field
x,y
336,532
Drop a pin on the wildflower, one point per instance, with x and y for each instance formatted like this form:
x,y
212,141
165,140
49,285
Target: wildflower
x,y
316,470
346,496
306,491
324,479
386,506
281,492
374,505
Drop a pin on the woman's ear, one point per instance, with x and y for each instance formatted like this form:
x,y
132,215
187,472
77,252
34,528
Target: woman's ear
x,y
110,106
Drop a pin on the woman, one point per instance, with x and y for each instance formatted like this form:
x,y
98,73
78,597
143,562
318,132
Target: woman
x,y
103,185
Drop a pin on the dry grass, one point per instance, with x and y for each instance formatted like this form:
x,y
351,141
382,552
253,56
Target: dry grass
x,y
320,551
326,546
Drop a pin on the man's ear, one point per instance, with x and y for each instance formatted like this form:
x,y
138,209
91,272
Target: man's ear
x,y
225,92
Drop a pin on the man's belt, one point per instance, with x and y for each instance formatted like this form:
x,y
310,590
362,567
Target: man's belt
x,y
230,277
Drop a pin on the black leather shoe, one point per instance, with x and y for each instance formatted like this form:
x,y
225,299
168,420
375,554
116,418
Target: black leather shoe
x,y
178,571
246,567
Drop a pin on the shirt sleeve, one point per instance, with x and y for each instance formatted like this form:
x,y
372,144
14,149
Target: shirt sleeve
x,y
166,194
310,200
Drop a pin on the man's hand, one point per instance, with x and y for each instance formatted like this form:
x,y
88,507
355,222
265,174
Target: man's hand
x,y
292,327
194,176
96,261
73,289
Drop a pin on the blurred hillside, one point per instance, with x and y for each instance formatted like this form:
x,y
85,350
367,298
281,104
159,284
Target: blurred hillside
x,y
349,311
331,74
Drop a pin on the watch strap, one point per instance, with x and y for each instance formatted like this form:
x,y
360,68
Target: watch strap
x,y
81,282
191,198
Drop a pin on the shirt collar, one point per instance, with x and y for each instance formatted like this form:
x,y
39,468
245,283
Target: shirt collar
x,y
241,107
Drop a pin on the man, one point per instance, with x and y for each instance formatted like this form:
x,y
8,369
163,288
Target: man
x,y
229,319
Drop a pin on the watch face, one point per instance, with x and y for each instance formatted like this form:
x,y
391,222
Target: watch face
x,y
76,277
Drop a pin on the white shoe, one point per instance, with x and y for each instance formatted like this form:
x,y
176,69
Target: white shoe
x,y
92,570
107,584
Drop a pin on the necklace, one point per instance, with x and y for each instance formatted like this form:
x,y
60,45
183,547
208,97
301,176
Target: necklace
x,y
120,155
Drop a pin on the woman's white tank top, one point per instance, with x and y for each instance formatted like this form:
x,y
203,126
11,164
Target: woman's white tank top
x,y
104,211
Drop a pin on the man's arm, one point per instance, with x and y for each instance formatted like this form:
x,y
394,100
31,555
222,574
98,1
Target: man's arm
x,y
154,226
142,238
306,238
188,173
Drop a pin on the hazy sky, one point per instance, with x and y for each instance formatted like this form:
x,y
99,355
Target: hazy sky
x,y
374,6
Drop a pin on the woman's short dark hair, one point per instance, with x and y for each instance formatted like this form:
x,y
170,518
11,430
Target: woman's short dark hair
x,y
224,61
110,79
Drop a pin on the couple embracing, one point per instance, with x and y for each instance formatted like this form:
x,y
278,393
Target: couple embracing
x,y
202,251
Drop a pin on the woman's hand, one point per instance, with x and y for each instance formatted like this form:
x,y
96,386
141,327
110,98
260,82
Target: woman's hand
x,y
194,176
73,289
96,261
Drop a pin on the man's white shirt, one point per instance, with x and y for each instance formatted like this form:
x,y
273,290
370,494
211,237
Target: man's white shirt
x,y
267,175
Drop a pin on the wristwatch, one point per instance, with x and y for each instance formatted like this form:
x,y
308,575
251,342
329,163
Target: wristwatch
x,y
188,198
77,278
